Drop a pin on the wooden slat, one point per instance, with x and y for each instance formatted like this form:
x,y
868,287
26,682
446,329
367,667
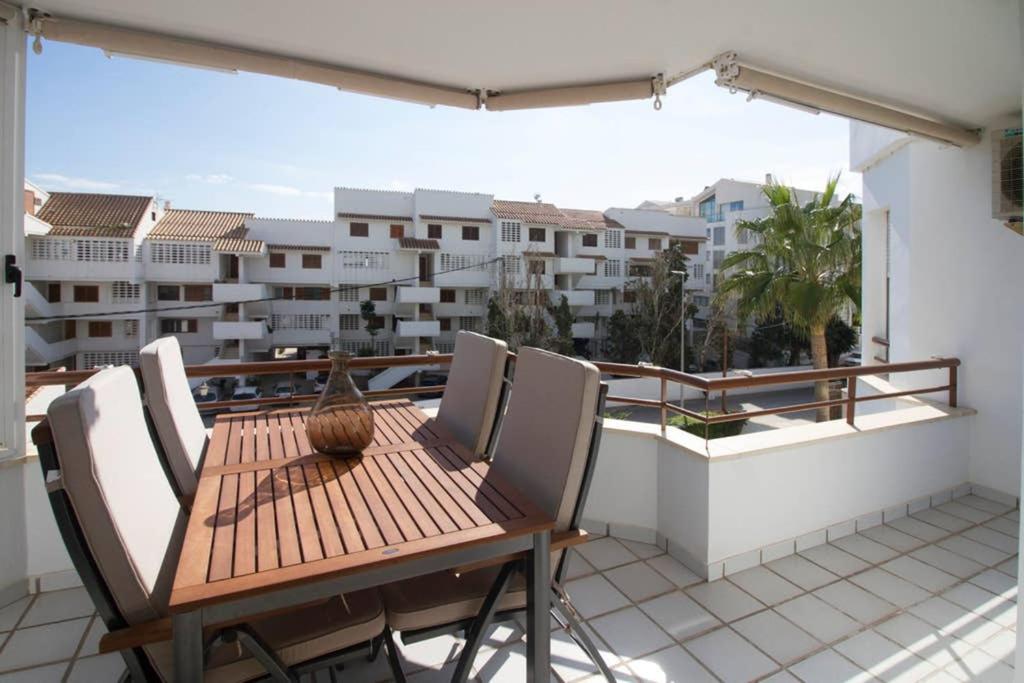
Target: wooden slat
x,y
384,430
309,535
222,557
436,491
284,514
194,563
412,503
266,522
410,530
419,421
436,511
262,439
329,536
475,480
452,488
378,509
299,432
217,449
291,447
474,494
248,440
360,512
245,525
343,514
234,450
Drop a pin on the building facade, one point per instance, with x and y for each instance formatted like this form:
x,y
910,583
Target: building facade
x,y
390,273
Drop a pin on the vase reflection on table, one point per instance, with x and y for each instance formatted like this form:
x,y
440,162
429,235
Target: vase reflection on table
x,y
341,422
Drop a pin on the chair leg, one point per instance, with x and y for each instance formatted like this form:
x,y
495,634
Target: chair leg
x,y
375,645
475,633
264,655
393,659
560,604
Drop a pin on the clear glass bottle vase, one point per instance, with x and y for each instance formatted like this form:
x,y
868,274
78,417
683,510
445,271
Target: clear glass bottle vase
x,y
341,422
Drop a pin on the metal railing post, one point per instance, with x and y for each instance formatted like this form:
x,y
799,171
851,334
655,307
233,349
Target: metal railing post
x,y
664,400
851,396
952,386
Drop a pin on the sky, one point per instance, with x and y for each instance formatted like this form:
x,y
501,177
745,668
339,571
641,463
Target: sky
x,y
210,140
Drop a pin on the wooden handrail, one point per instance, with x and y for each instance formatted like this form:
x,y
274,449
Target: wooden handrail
x,y
880,340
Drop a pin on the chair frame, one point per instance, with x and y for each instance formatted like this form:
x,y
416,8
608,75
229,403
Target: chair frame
x,y
561,609
139,668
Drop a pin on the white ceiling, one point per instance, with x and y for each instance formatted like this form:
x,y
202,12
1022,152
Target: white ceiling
x,y
956,59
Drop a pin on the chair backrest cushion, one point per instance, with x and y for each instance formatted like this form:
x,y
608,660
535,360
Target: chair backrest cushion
x,y
132,523
545,438
174,412
473,390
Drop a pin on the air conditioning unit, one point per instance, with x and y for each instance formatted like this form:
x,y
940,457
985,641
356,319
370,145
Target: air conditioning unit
x,y
1008,175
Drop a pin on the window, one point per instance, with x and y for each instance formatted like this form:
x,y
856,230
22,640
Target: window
x,y
613,239
231,308
101,328
359,229
378,293
70,329
537,266
706,209
131,328
463,262
689,247
742,236
471,233
698,271
700,300
198,292
53,292
510,231
277,259
630,243
125,291
397,231
469,323
349,323
371,260
179,253
654,244
602,297
639,270
312,293
168,293
590,239
628,296
86,294
311,261
613,268
446,324
538,235
476,297
179,326
348,294
376,322
717,258
719,233
434,231
299,321
512,265
447,296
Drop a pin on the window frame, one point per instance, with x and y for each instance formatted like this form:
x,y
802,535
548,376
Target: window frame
x,y
357,229
278,259
396,231
435,231
309,259
590,239
532,235
81,289
447,296
470,233
629,243
100,329
377,294
167,288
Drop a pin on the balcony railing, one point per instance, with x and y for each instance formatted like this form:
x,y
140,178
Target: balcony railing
x,y
666,377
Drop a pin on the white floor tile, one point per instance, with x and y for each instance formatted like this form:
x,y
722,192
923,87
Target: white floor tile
x,y
504,665
594,595
642,550
765,585
978,665
802,572
605,553
107,667
818,618
829,667
428,653
869,550
781,677
883,658
974,598
674,570
672,665
947,561
571,662
59,606
891,588
724,600
919,573
835,560
678,615
919,529
855,601
577,566
992,538
971,514
917,636
1009,567
638,581
630,633
894,538
997,582
942,520
51,673
10,614
1002,646
772,634
969,548
1004,526
730,657
984,504
42,644
91,645
955,621
435,674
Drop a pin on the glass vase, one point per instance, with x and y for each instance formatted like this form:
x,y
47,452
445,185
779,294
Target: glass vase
x,y
341,422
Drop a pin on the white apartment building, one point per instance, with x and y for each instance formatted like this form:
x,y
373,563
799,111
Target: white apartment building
x,y
232,286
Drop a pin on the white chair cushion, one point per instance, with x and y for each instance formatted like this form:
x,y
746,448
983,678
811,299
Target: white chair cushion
x,y
471,394
174,412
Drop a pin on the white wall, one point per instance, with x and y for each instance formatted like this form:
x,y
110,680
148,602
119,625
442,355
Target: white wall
x,y
956,273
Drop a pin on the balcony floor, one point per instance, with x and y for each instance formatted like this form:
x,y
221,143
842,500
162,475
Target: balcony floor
x,y
928,597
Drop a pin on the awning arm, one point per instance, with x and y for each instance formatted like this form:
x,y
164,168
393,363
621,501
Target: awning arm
x,y
735,75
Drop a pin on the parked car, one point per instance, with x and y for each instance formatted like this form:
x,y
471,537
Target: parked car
x,y
851,359
205,394
245,393
320,383
283,389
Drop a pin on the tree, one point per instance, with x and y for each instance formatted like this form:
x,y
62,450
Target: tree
x,y
562,341
622,343
517,315
368,312
805,262
657,307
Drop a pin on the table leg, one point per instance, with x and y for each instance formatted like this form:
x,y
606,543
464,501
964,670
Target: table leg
x,y
188,646
538,608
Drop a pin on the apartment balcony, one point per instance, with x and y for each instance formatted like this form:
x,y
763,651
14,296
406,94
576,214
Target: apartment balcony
x,y
300,337
250,329
417,295
574,266
234,292
583,330
575,297
418,328
188,309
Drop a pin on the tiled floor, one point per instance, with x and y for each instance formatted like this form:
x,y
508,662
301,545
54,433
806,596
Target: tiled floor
x,y
928,597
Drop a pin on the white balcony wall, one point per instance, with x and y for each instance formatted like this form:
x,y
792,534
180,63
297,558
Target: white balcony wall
x,y
59,258
583,330
456,310
183,272
572,266
239,330
196,309
417,295
418,328
939,205
235,292
296,337
466,278
575,297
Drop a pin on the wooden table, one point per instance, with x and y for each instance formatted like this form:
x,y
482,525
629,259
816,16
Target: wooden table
x,y
274,523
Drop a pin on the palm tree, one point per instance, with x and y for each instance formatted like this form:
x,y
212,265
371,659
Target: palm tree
x,y
805,262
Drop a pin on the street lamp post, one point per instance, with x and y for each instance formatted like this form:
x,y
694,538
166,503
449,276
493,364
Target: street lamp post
x,y
682,333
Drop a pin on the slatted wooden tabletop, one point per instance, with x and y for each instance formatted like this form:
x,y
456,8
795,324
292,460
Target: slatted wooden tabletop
x,y
270,511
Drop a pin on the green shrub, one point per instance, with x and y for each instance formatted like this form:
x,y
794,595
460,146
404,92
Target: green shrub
x,y
618,414
714,431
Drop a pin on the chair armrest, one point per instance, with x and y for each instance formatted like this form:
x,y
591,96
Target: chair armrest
x,y
559,541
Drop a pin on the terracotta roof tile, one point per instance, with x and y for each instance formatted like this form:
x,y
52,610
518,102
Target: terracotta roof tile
x,y
237,245
595,219
453,219
417,243
538,213
83,214
376,217
186,224
297,247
